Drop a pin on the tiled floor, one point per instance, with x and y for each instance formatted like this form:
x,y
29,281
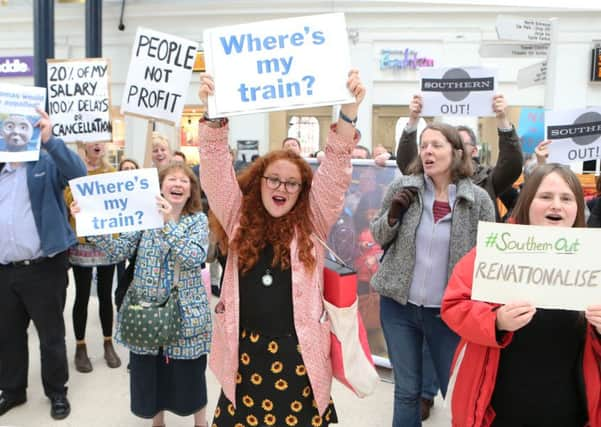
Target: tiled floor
x,y
101,398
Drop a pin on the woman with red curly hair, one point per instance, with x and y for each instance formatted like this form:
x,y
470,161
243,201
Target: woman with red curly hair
x,y
271,343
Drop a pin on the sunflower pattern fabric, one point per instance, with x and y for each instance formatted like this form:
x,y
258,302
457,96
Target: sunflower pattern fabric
x,y
272,387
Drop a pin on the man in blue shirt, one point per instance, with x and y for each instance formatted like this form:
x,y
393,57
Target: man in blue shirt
x,y
34,238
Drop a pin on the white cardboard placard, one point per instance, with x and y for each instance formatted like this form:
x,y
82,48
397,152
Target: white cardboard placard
x,y
458,91
278,64
159,75
117,202
550,267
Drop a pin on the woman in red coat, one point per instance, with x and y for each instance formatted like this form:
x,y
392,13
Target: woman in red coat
x,y
517,365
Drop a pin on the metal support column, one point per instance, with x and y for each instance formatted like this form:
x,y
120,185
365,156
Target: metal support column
x,y
43,39
93,28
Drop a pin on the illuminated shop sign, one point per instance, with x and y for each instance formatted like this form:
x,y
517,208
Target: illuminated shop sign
x,y
407,59
596,65
16,66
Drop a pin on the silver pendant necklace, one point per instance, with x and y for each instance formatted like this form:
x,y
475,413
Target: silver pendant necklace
x,y
267,278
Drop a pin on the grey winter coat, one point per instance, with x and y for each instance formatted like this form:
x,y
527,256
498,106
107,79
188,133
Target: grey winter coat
x,y
393,278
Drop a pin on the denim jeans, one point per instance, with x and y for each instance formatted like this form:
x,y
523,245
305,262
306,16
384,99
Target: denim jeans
x,y
429,379
405,328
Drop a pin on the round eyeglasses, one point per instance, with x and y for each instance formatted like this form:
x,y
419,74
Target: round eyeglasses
x,y
290,186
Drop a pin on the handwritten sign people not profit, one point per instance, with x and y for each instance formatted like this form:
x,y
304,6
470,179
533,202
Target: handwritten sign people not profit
x,y
576,135
117,202
158,76
79,99
550,267
19,138
278,64
465,91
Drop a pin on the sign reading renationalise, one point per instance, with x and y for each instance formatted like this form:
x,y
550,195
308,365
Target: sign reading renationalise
x,y
159,75
576,135
79,99
19,138
550,267
117,202
465,91
16,66
523,29
278,64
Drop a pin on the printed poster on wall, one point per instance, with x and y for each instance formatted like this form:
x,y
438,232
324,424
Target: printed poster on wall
x,y
531,128
459,91
19,137
117,202
575,135
278,64
159,75
550,267
79,99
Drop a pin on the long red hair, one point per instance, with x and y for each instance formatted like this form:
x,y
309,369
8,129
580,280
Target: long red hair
x,y
258,228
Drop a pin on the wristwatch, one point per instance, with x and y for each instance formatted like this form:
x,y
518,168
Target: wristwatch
x,y
222,121
348,119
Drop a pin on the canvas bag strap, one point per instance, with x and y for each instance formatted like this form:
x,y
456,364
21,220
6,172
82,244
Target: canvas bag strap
x,y
334,254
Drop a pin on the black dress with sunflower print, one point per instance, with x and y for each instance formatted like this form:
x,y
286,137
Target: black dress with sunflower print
x,y
272,386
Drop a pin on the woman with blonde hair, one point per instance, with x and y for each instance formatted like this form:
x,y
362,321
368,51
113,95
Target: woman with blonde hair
x,y
161,151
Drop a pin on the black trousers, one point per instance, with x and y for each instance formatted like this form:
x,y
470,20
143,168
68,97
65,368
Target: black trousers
x,y
83,284
36,292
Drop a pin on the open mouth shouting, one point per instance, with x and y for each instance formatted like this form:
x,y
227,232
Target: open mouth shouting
x,y
554,218
280,187
176,188
279,200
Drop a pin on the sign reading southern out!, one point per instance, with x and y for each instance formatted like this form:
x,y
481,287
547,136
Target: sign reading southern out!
x,y
576,135
550,267
466,91
278,64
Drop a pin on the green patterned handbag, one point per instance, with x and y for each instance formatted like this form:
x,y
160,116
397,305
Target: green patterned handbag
x,y
151,325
